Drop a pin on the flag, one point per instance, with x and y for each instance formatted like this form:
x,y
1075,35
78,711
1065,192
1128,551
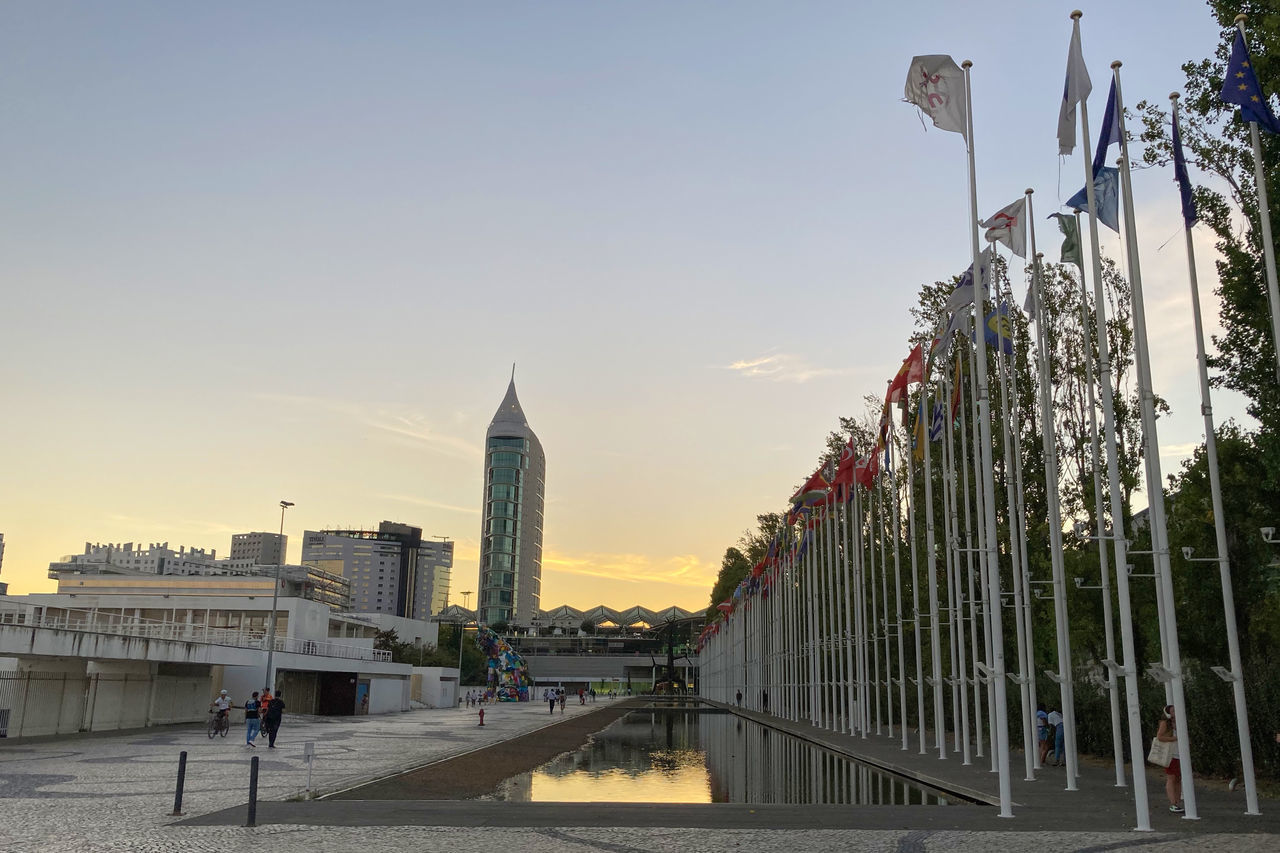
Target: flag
x,y
1110,132
1076,89
958,322
1183,179
1106,191
956,385
938,422
999,330
1071,253
1009,226
962,295
843,478
912,370
866,469
935,84
814,490
1241,88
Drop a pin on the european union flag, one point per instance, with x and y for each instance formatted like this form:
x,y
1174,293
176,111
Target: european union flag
x,y
1241,88
1184,180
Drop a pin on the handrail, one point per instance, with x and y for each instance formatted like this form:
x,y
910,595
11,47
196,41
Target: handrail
x,y
96,622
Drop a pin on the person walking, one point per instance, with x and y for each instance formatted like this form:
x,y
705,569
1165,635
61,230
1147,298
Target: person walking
x,y
252,722
1042,731
562,699
274,716
1054,719
551,700
1168,733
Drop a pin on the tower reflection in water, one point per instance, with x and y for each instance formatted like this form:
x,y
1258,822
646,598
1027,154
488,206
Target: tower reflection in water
x,y
692,755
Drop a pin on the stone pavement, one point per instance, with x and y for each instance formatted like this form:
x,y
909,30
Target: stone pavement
x,y
99,793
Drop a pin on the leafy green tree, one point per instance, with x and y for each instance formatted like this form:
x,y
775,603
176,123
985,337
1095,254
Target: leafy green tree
x,y
733,568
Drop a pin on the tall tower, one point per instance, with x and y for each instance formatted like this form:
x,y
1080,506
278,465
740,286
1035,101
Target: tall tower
x,y
511,535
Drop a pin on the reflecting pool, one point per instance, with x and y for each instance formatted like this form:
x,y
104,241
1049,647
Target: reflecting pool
x,y
696,755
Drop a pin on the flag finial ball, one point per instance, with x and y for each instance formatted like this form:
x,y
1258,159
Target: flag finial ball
x,y
1116,64
968,63
1030,190
1173,96
1076,15
1241,17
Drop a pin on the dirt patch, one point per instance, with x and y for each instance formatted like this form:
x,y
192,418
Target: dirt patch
x,y
478,773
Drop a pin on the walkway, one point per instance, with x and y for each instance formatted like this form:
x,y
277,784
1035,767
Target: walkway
x,y
115,792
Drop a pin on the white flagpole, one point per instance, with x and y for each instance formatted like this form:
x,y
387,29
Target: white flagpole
x,y
897,610
1020,629
1050,442
850,614
915,607
1155,480
960,667
931,559
1264,214
1142,808
976,626
1104,559
988,481
954,647
983,567
864,665
873,640
884,609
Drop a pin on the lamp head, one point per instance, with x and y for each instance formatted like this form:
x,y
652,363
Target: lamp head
x,y
1187,552
284,504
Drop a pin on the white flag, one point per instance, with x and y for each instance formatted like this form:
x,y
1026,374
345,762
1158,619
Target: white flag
x,y
1076,89
1009,226
935,84
963,293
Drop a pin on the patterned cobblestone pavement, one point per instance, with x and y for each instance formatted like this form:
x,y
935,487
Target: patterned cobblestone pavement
x,y
109,793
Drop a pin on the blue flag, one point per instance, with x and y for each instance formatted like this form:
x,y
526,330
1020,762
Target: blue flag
x,y
1106,191
1241,88
1184,181
1110,132
998,329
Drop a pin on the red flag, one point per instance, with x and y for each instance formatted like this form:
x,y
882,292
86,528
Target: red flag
x,y
912,370
867,468
955,392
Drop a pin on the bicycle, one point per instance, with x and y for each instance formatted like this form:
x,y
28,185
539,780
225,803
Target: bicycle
x,y
219,724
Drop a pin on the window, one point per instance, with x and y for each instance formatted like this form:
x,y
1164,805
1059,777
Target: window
x,y
507,441
504,475
500,459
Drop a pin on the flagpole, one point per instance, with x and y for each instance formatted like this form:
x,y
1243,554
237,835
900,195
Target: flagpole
x,y
983,566
1049,438
977,626
953,650
1155,480
1264,214
915,607
897,597
881,500
953,543
864,664
873,529
1142,808
1015,552
931,557
847,629
989,506
1104,559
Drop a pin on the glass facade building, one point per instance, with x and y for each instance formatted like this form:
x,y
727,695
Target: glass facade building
x,y
511,533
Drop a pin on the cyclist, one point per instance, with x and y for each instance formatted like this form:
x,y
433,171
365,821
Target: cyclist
x,y
223,707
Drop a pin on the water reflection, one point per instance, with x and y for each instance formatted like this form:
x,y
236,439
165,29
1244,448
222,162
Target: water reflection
x,y
706,756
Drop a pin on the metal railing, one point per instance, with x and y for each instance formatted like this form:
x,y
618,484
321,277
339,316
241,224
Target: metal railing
x,y
96,622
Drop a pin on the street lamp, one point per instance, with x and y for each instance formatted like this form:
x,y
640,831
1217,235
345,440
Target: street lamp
x,y
462,633
275,599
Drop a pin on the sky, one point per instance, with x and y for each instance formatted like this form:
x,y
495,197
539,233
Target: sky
x,y
256,252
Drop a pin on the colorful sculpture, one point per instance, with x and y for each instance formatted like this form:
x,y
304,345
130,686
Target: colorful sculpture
x,y
508,675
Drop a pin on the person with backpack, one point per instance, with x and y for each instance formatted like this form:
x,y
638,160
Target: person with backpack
x,y
252,723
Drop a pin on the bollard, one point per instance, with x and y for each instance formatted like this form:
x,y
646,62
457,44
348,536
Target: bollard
x,y
253,792
482,716
182,778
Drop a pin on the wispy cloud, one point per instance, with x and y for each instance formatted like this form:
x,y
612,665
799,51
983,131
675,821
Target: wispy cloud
x,y
1178,451
416,427
430,504
681,570
785,367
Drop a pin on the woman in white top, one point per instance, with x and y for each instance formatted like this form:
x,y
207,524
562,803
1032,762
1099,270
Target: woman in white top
x,y
1168,733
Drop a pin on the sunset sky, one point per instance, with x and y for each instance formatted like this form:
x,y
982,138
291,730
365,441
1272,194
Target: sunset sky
x,y
256,252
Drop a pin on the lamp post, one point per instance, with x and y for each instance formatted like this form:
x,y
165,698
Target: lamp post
x,y
275,599
462,632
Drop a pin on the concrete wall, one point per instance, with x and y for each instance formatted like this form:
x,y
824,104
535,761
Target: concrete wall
x,y
435,686
387,695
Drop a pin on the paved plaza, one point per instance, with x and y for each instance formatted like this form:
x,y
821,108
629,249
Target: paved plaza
x,y
96,793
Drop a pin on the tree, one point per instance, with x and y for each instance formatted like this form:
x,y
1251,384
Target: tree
x,y
733,569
